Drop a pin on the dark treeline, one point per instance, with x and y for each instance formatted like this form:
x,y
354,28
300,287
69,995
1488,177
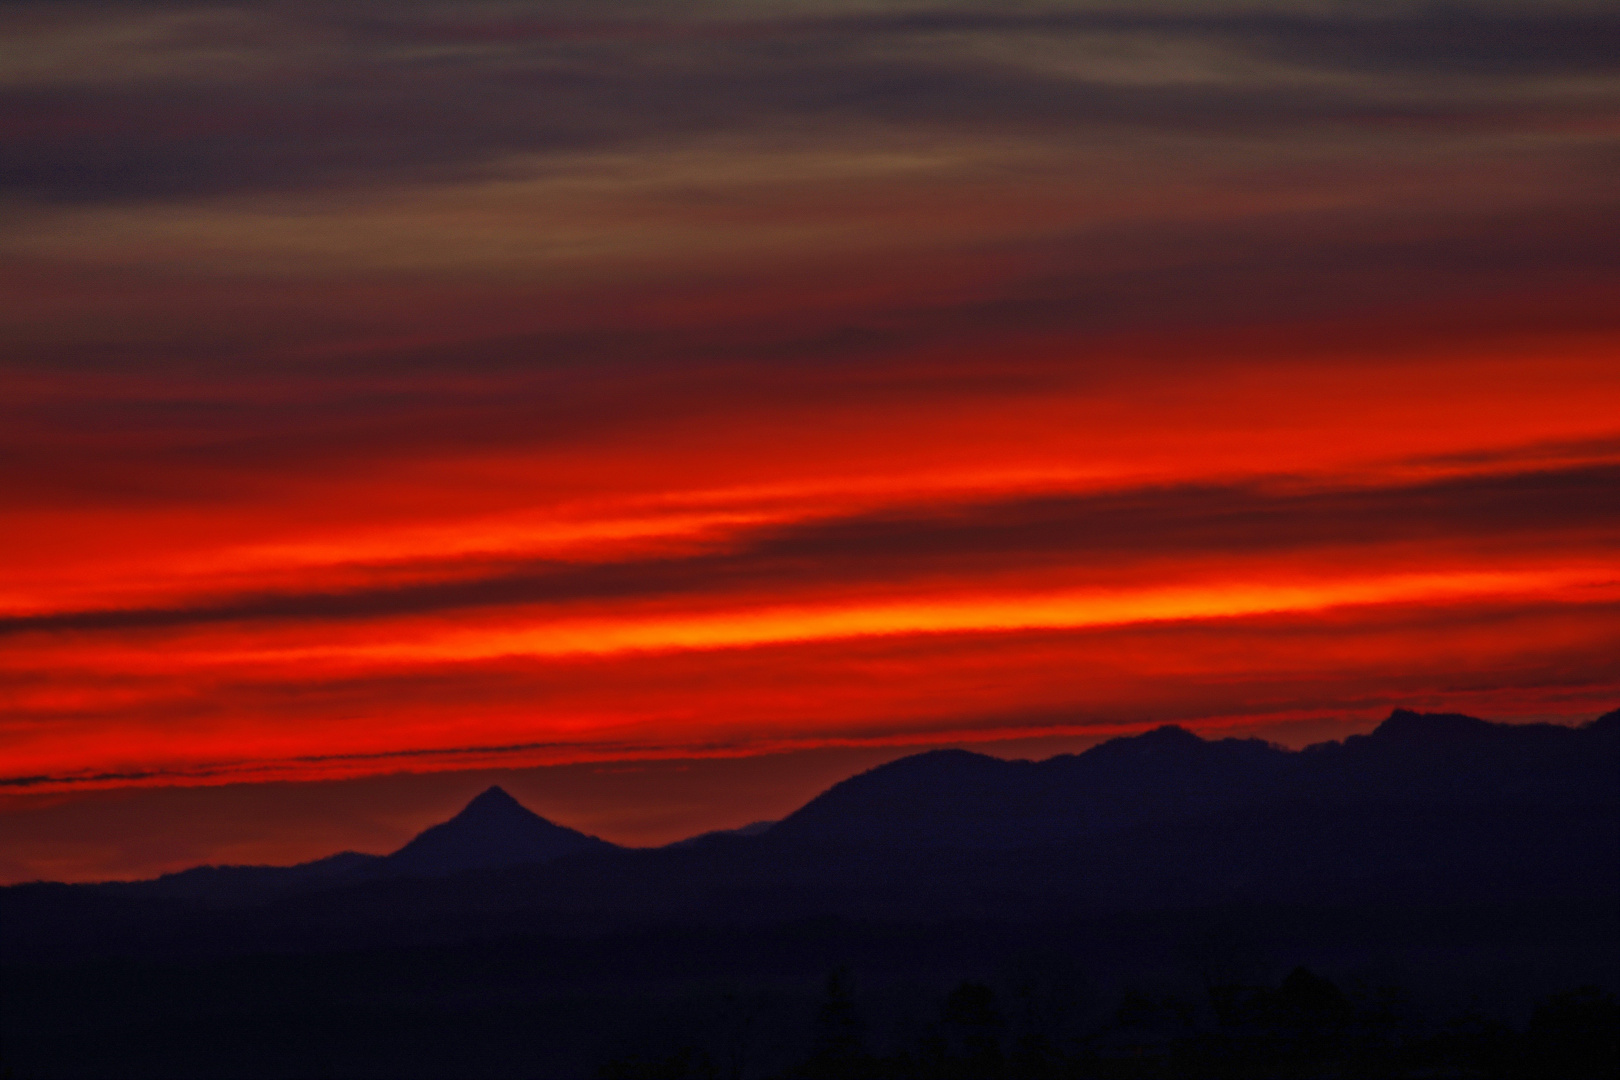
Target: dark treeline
x,y
1380,992
1306,1026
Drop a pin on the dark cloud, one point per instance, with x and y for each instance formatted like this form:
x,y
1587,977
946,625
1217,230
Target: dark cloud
x,y
1589,449
1425,38
242,427
375,106
1202,519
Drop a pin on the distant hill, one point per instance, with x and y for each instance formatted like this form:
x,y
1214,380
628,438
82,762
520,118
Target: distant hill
x,y
493,830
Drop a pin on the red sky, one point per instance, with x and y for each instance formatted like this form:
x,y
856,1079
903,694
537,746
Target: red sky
x,y
401,398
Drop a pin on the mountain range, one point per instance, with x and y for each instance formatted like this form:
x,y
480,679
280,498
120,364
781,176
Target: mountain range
x,y
1453,862
1427,808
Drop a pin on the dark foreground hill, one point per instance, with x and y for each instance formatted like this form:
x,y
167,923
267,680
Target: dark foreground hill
x,y
1449,858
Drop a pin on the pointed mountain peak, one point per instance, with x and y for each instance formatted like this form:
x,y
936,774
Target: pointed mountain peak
x,y
493,797
494,805
494,829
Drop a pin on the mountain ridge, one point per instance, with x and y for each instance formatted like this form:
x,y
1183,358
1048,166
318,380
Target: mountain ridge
x,y
940,797
1500,815
1412,763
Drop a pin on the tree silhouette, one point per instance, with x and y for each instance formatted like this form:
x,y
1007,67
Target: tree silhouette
x,y
1306,1015
1574,1034
838,1050
972,1026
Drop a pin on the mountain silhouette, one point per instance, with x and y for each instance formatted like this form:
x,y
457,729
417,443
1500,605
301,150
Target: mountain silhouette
x,y
753,828
1428,809
491,831
1439,761
1464,853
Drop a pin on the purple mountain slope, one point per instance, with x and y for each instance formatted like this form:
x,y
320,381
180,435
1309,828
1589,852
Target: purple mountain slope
x,y
953,798
753,828
493,830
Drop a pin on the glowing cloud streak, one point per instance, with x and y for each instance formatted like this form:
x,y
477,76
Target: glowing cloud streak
x,y
771,626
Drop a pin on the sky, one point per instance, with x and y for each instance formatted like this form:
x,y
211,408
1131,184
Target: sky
x,y
667,408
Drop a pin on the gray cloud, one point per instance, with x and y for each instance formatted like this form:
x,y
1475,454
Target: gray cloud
x,y
439,94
